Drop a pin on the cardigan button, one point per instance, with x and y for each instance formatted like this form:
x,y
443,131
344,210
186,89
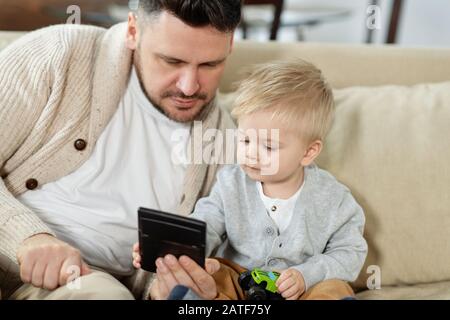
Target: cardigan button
x,y
31,184
269,231
80,144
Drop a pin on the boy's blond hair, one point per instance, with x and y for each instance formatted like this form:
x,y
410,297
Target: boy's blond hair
x,y
297,93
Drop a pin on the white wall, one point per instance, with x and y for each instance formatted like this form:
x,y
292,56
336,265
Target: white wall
x,y
423,23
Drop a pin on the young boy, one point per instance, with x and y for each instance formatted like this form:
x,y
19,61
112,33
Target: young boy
x,y
278,210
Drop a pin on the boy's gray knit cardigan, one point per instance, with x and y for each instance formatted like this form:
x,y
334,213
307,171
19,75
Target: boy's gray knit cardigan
x,y
323,241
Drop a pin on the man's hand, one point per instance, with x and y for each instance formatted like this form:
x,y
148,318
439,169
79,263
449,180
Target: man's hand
x,y
184,271
136,256
291,284
44,262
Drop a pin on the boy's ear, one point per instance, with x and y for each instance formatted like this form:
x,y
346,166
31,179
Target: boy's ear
x,y
312,152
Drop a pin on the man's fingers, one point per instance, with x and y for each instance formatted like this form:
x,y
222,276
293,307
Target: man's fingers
x,y
136,257
163,290
136,247
205,285
155,292
37,277
71,269
137,261
167,278
51,275
85,270
26,270
40,255
181,276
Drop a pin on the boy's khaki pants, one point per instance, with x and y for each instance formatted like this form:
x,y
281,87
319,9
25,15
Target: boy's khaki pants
x,y
228,287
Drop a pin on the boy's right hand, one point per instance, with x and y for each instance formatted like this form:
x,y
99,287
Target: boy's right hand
x,y
136,256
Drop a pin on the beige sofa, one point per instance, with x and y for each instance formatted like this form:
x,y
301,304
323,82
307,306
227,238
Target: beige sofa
x,y
390,144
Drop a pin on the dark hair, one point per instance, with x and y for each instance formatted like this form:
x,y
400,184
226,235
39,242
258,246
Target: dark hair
x,y
224,15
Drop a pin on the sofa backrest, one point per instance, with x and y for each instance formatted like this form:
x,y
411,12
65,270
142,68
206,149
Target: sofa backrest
x,y
346,65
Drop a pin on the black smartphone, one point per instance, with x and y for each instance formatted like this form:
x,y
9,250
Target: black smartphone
x,y
162,233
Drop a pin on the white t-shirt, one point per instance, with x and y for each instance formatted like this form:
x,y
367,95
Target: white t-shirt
x,y
95,207
280,210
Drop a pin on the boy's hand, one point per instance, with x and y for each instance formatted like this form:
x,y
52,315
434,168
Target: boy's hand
x,y
136,256
291,284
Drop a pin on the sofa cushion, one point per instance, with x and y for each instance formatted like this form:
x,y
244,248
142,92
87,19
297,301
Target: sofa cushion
x,y
427,291
390,145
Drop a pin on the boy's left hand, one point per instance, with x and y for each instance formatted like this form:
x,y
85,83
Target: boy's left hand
x,y
291,284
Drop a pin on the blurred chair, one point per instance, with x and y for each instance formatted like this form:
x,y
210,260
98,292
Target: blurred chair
x,y
287,14
395,19
396,14
277,11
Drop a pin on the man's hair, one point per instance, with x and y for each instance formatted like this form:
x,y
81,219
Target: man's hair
x,y
295,91
223,15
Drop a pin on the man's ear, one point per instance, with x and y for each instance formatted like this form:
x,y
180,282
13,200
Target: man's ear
x,y
312,152
232,42
132,32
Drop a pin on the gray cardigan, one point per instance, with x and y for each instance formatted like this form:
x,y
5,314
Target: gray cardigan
x,y
323,241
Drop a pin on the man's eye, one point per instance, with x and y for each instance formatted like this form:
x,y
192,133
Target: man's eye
x,y
210,65
173,62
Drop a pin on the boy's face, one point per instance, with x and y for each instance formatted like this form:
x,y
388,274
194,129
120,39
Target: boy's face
x,y
268,150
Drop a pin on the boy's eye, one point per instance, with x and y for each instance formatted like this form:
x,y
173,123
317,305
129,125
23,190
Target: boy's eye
x,y
271,147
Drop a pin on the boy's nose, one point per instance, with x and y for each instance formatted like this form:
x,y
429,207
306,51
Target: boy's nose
x,y
252,153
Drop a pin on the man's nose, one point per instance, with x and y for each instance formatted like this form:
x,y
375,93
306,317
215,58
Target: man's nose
x,y
188,81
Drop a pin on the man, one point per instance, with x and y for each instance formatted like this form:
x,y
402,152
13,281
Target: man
x,y
87,119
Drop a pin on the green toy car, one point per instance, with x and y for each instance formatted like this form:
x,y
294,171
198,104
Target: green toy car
x,y
260,284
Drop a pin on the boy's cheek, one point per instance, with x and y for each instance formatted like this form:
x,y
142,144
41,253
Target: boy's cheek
x,y
271,164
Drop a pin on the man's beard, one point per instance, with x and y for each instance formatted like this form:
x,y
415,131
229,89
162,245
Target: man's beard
x,y
167,94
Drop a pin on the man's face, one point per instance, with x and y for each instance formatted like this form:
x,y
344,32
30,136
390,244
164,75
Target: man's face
x,y
179,66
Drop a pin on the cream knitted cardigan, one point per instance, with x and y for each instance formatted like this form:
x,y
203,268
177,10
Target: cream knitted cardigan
x,y
57,85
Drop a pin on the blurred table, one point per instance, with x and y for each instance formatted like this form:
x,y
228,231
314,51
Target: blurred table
x,y
296,17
